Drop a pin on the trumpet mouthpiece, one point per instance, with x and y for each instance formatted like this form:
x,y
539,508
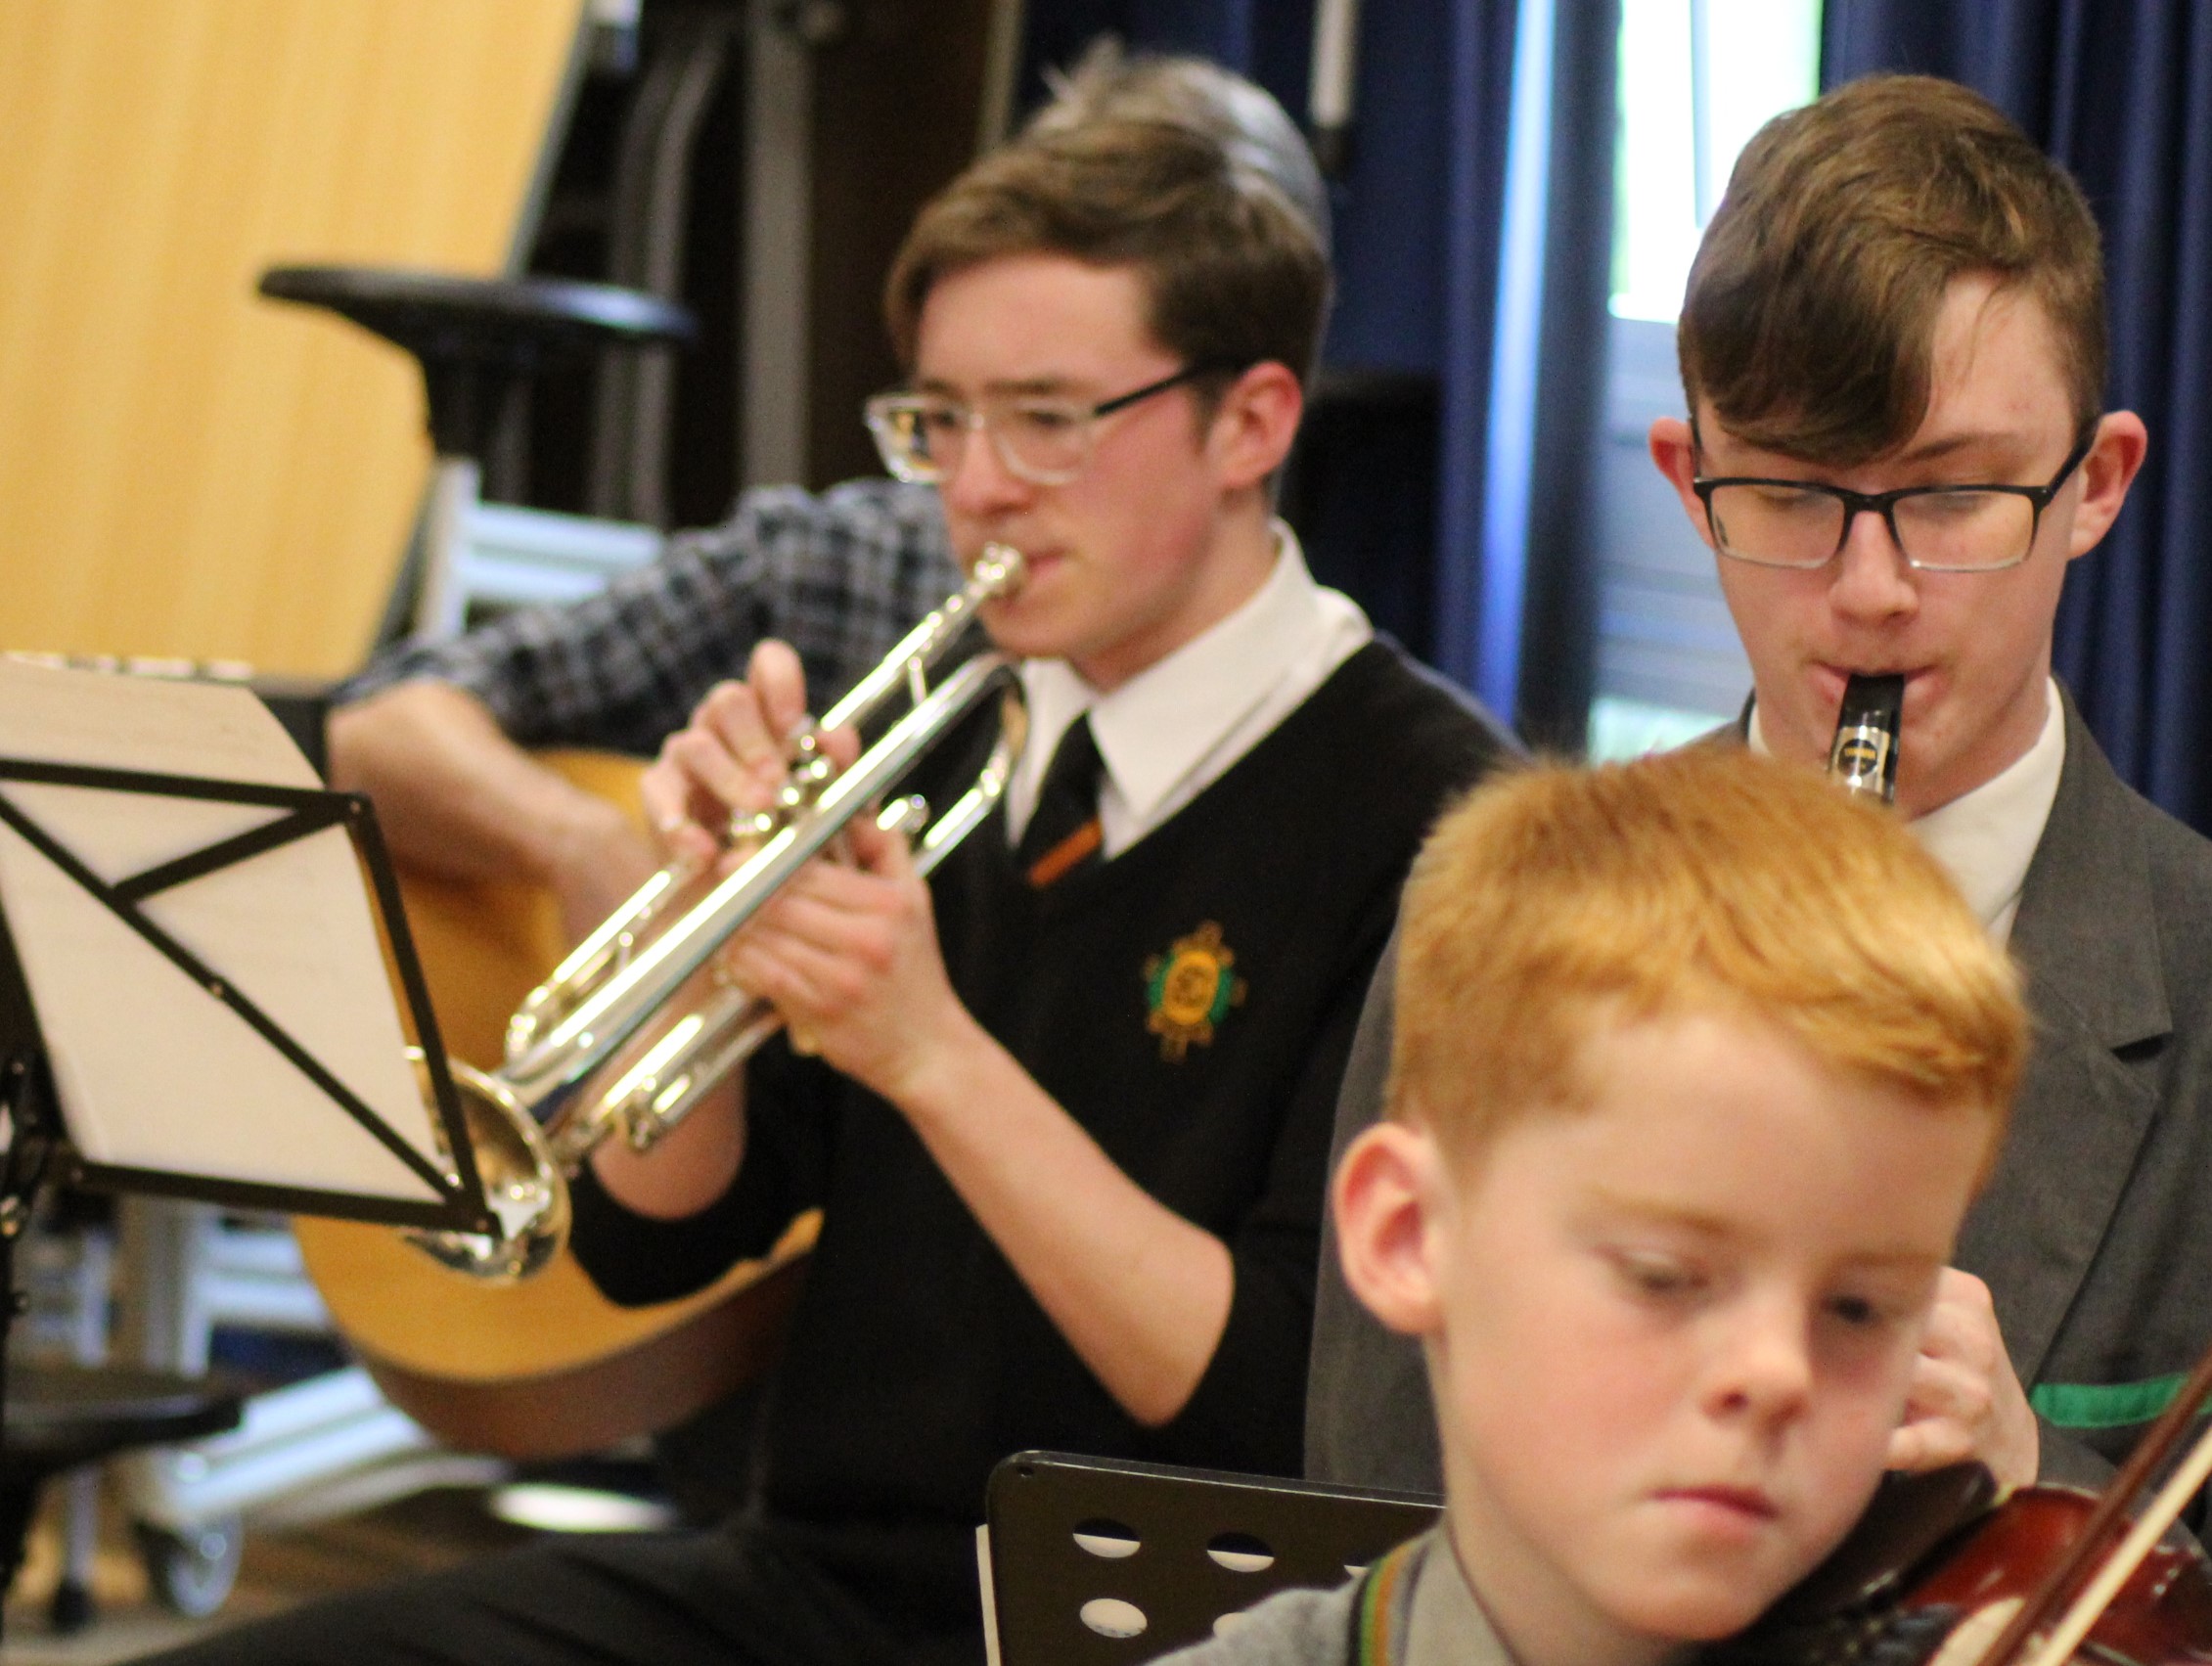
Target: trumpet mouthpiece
x,y
998,572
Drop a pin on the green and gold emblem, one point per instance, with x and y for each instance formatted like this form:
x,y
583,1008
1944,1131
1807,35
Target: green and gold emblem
x,y
1191,989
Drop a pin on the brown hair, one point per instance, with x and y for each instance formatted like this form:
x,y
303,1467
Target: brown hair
x,y
1172,167
1257,133
1554,899
1810,317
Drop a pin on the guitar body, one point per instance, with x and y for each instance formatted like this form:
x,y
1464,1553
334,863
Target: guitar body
x,y
546,1368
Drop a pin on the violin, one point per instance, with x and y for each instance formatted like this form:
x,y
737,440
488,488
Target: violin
x,y
1940,1571
1925,1580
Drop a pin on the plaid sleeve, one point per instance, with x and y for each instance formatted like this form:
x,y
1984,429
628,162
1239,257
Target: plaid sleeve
x,y
840,576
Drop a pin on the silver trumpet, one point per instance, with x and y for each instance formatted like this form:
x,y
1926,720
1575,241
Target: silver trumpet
x,y
605,1047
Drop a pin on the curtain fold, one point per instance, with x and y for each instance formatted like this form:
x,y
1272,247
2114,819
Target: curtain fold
x,y
2120,91
1558,674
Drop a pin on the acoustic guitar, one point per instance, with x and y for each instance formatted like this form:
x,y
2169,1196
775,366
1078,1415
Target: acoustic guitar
x,y
546,1368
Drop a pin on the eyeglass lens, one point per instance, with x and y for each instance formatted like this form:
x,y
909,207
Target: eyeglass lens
x,y
1779,526
1044,441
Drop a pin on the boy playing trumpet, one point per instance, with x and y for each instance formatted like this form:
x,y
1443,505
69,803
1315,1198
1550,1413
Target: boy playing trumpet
x,y
1069,1117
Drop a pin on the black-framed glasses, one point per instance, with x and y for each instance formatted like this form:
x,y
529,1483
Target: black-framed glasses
x,y
1804,524
1044,441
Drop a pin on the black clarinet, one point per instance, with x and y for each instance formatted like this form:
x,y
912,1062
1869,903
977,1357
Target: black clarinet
x,y
1863,756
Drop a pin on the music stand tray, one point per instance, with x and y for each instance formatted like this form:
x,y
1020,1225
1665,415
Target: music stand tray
x,y
194,989
207,988
1093,1561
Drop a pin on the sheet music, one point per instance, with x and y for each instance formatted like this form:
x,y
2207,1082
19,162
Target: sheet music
x,y
152,1071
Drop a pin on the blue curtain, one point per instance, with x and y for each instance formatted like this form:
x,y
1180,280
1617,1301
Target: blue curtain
x,y
1417,215
2120,91
1542,491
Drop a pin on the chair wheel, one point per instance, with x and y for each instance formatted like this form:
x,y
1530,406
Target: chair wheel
x,y
71,1609
192,1571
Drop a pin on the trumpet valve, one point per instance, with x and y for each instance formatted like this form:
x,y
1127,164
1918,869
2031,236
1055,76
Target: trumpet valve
x,y
906,815
810,772
753,827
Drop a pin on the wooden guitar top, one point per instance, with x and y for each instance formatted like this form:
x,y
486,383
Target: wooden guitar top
x,y
548,1367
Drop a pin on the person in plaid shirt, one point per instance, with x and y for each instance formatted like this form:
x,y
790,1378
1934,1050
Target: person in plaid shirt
x,y
434,730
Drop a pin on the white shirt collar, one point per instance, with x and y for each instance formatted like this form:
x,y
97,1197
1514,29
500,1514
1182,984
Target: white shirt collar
x,y
1167,727
1986,838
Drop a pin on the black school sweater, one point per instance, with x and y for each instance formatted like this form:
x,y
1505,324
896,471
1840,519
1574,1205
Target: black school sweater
x,y
1191,1004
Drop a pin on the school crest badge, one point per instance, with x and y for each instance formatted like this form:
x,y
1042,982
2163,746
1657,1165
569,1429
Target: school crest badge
x,y
1190,990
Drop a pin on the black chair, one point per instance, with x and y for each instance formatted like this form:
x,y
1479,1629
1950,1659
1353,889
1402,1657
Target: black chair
x,y
481,341
60,1417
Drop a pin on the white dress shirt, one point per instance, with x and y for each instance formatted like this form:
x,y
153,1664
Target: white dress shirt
x,y
1986,838
1174,729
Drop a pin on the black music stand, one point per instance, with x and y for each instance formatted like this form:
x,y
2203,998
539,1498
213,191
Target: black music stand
x,y
98,869
1094,1561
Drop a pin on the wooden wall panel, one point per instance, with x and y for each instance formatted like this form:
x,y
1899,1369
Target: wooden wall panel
x,y
184,468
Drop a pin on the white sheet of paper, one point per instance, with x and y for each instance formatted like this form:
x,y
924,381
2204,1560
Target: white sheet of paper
x,y
154,1071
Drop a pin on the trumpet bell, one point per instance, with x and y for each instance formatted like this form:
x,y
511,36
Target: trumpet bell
x,y
524,1187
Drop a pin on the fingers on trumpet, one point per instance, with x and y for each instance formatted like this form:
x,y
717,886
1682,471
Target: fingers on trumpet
x,y
848,957
730,764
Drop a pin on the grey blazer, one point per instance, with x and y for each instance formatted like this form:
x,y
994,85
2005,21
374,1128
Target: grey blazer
x,y
2094,1234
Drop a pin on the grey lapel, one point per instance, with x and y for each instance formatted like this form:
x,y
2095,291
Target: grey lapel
x,y
2086,940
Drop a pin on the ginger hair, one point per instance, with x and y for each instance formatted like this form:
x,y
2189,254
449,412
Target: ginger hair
x,y
1554,901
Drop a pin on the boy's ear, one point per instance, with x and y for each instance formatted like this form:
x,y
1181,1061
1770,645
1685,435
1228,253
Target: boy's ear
x,y
1386,1193
1255,422
2107,473
1675,453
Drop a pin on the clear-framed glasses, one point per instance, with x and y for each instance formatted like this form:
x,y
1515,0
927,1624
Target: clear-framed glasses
x,y
1044,441
1804,523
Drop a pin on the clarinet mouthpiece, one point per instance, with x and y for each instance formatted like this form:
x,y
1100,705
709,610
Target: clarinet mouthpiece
x,y
1863,758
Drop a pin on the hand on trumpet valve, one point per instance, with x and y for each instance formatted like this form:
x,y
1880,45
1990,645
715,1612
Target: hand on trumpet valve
x,y
848,954
748,747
